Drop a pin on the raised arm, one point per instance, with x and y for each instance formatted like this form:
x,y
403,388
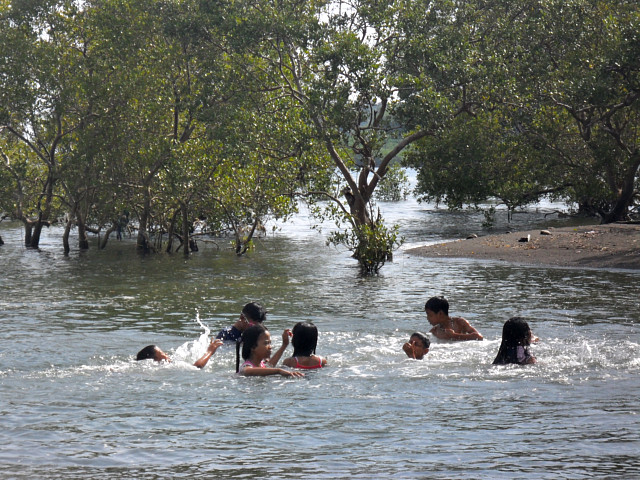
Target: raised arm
x,y
275,358
213,346
409,350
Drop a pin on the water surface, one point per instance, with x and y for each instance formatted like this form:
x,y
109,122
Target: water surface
x,y
74,403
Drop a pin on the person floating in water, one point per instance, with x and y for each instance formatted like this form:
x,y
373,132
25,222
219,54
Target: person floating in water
x,y
516,338
155,353
446,327
256,352
304,341
253,313
417,346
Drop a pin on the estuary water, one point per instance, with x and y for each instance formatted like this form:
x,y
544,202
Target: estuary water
x,y
75,404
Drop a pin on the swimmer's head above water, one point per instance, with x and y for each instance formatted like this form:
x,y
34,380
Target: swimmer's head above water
x,y
153,352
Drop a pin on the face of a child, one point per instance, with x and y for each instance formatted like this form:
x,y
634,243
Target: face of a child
x,y
418,347
159,355
432,317
245,322
263,349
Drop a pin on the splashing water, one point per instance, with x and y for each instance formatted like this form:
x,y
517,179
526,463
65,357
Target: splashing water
x,y
72,393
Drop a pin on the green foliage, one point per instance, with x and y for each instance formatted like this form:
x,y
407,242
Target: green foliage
x,y
372,244
482,157
489,217
232,111
553,95
160,117
394,187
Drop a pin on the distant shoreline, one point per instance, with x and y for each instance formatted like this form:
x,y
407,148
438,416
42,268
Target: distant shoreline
x,y
595,246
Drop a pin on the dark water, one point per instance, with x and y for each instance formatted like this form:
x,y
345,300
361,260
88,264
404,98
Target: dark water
x,y
74,403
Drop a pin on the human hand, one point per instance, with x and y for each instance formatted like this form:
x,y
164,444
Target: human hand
x,y
285,336
287,373
449,332
213,346
441,333
409,349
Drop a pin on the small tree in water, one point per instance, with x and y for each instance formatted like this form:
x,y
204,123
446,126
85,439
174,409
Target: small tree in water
x,y
372,243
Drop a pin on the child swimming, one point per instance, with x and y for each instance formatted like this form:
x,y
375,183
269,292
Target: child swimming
x,y
252,313
446,327
516,338
256,352
417,346
156,354
305,340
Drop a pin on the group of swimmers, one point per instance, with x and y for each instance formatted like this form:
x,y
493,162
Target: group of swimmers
x,y
253,342
514,347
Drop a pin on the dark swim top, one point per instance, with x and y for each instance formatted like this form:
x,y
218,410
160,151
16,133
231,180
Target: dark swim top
x,y
304,367
230,334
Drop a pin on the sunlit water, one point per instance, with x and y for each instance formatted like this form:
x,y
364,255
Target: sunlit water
x,y
75,404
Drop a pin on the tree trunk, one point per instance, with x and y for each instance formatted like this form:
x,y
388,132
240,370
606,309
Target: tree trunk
x,y
35,234
65,236
44,212
105,239
620,210
243,241
357,207
28,230
185,228
170,233
83,240
142,243
37,231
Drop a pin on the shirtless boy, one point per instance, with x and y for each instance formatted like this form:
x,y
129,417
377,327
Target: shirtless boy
x,y
446,327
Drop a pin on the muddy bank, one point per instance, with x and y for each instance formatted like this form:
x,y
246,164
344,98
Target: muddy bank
x,y
594,246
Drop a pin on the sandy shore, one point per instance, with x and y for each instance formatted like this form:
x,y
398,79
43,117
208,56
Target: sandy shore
x,y
594,246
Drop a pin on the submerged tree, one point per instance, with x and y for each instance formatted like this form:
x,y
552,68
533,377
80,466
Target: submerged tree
x,y
484,157
228,112
41,109
564,81
580,74
348,68
130,107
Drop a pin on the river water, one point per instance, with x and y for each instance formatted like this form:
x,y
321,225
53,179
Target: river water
x,y
75,404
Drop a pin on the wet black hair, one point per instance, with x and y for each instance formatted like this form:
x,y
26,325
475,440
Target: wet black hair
x,y
423,338
248,342
437,304
255,311
305,339
147,352
515,333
